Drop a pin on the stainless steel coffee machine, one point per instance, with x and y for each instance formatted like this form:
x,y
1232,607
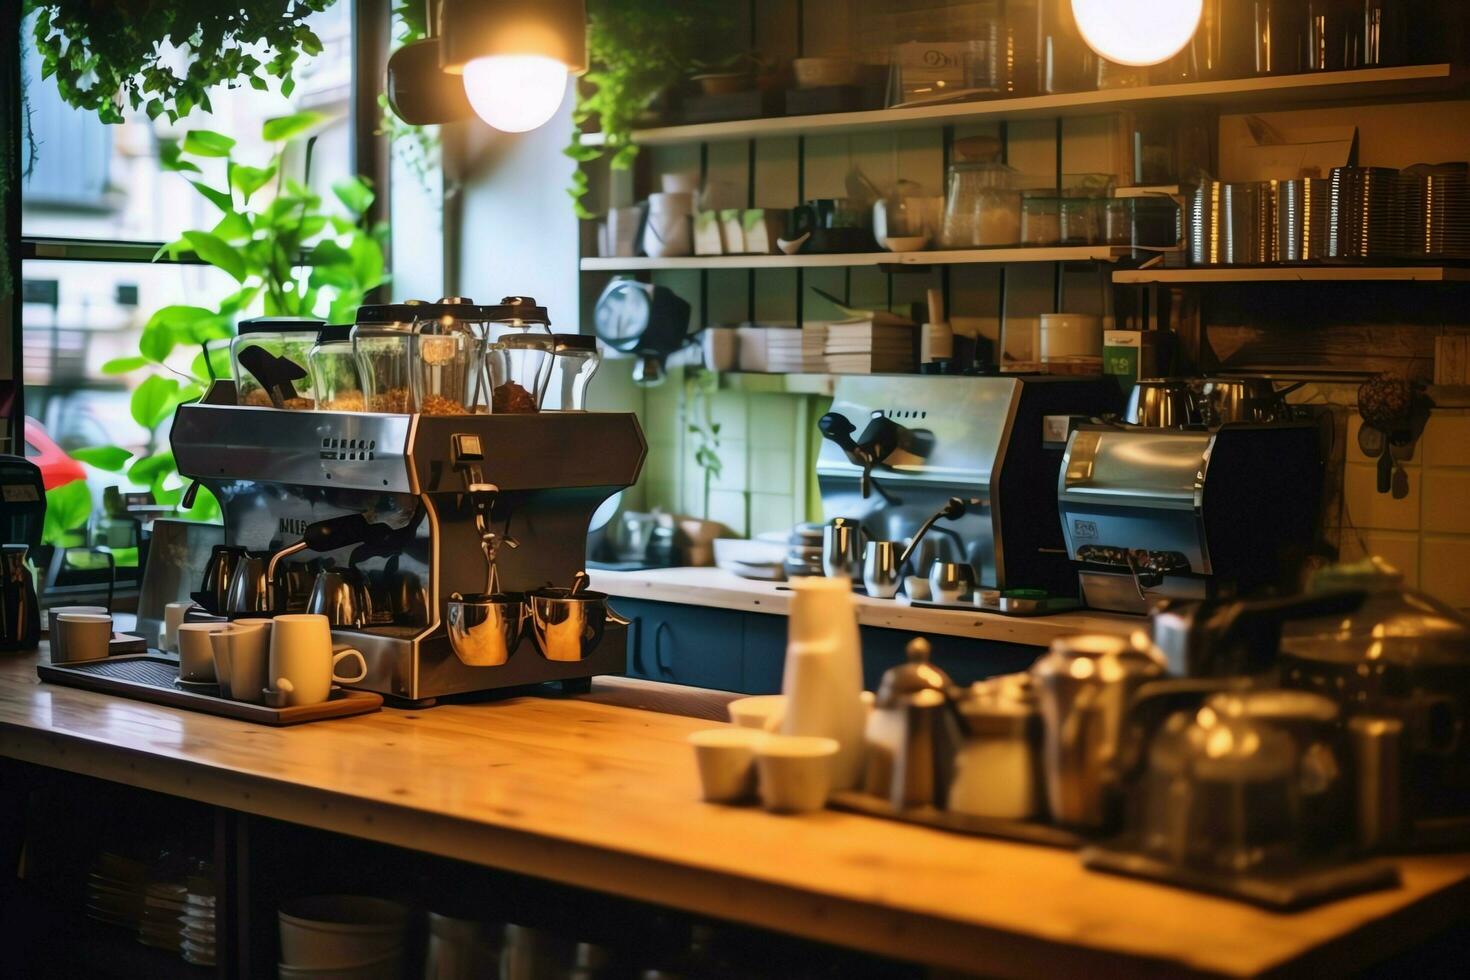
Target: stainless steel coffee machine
x,y
1156,513
397,502
897,448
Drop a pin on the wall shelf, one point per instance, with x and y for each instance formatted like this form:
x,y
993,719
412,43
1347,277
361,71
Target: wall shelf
x,y
1278,92
1325,273
985,256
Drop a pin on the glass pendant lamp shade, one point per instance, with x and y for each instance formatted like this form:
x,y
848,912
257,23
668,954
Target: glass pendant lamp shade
x,y
1137,32
515,56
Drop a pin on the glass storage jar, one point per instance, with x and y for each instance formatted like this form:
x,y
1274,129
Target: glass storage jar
x,y
576,361
519,356
382,344
335,381
1041,217
447,364
278,347
981,206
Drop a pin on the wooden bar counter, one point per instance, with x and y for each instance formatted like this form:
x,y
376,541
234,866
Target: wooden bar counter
x,y
606,798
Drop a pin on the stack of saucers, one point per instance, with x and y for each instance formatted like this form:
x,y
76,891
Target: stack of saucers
x,y
198,944
115,890
163,916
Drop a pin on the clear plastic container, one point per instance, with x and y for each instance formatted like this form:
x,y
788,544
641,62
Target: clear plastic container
x,y
447,365
981,206
280,347
576,361
382,345
335,382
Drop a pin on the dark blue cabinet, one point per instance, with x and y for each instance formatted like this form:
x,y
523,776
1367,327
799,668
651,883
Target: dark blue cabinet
x,y
745,652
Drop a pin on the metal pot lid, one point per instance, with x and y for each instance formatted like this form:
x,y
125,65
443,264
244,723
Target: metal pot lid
x,y
917,682
1392,628
1101,656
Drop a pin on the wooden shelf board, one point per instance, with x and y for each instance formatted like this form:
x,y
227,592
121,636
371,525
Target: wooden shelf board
x,y
1329,273
1078,253
1276,91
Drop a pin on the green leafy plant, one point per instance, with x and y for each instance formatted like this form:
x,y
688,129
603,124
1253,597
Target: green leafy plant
x,y
637,49
699,387
283,250
105,55
67,508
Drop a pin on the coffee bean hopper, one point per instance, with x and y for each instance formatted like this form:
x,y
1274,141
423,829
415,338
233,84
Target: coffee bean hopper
x,y
426,488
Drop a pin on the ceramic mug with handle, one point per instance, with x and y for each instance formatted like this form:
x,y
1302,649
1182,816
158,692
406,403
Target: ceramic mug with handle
x,y
302,656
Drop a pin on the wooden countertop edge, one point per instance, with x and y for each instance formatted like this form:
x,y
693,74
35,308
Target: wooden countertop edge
x,y
872,928
715,589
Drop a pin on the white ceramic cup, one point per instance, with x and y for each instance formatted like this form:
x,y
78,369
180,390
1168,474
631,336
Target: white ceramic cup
x,y
249,656
795,772
335,932
302,656
762,712
196,652
173,615
726,760
79,636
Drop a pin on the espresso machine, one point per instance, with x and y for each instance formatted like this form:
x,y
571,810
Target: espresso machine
x,y
897,449
1189,513
401,502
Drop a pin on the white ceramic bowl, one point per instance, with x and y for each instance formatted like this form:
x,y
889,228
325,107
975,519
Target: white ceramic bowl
x,y
335,932
726,760
762,712
821,72
388,968
795,772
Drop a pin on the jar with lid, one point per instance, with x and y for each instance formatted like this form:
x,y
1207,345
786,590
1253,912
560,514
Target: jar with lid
x,y
981,206
335,382
521,351
446,362
572,369
271,360
1041,216
382,344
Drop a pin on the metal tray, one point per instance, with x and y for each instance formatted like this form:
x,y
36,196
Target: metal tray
x,y
151,677
1281,890
1005,607
1025,831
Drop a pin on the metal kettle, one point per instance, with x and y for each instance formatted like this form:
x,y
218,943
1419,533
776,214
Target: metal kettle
x,y
913,734
20,613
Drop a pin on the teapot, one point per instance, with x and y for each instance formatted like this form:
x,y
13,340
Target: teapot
x,y
913,733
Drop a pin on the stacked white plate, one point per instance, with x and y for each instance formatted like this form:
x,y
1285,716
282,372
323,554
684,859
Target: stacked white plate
x,y
342,937
199,936
115,890
163,916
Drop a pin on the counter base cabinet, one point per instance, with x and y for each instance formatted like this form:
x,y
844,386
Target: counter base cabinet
x,y
736,651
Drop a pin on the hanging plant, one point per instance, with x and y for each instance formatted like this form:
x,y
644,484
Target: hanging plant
x,y
163,56
636,49
416,146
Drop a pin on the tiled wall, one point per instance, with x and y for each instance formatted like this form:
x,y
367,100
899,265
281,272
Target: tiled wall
x,y
1427,534
764,446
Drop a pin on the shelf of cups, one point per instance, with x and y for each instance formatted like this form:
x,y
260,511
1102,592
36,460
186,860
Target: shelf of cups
x,y
1276,92
974,256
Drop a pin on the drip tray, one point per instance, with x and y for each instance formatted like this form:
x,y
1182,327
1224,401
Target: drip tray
x,y
155,678
1278,889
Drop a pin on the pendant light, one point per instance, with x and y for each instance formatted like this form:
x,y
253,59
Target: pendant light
x,y
1137,32
507,61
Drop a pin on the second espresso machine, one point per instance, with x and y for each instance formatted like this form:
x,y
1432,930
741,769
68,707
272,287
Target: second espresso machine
x,y
899,450
398,518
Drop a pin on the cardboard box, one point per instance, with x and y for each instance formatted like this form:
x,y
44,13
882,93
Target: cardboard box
x,y
1129,355
709,238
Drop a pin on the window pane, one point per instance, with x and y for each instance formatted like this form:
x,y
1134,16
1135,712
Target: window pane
x,y
93,180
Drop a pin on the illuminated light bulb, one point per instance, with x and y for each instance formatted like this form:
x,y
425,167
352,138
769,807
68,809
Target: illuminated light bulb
x,y
515,93
1137,32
